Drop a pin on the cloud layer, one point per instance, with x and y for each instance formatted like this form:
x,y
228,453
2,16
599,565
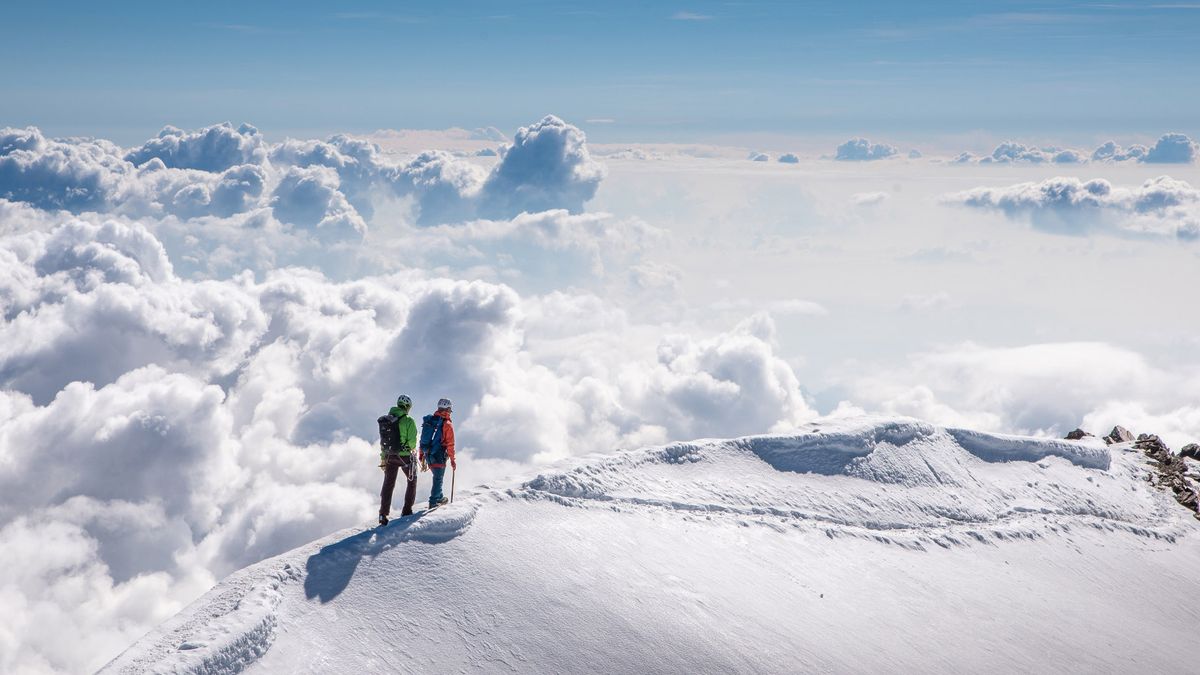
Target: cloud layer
x,y
1159,206
159,430
1172,148
323,186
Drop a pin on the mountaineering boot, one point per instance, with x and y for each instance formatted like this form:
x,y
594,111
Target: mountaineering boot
x,y
383,520
441,501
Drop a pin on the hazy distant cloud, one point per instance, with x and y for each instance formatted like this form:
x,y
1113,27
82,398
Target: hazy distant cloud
x,y
1036,389
1161,205
789,158
1109,151
869,198
759,157
690,16
925,302
861,149
488,134
1170,148
1014,152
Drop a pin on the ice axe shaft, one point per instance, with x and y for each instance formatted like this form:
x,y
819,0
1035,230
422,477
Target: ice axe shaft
x,y
453,473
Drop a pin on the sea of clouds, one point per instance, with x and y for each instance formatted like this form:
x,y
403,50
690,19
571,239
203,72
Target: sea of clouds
x,y
199,332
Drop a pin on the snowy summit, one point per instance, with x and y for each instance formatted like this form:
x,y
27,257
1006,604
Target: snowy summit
x,y
852,545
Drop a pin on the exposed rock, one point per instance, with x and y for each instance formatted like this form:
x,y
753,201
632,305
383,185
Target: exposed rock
x,y
1119,434
1151,444
1190,450
1171,471
1077,435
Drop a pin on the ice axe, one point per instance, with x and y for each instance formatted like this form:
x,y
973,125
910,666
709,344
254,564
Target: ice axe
x,y
453,473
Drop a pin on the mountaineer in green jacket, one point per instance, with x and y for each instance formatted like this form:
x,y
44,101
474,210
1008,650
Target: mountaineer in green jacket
x,y
397,441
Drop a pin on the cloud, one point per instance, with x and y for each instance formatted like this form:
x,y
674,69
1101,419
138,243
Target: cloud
x,y
214,148
727,385
869,198
1109,151
546,167
861,149
1172,149
488,134
1039,389
1161,205
309,197
925,302
326,186
215,422
51,174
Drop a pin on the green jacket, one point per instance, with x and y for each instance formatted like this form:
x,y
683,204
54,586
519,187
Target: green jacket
x,y
408,432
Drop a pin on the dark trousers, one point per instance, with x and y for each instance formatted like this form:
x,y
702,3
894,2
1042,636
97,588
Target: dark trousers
x,y
435,493
403,465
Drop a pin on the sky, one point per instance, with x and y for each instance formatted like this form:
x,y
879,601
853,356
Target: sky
x,y
657,71
231,236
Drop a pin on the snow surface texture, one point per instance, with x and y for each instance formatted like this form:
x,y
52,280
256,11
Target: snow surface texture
x,y
855,545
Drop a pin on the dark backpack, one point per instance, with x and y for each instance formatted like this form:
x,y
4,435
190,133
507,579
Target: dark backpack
x,y
389,436
431,439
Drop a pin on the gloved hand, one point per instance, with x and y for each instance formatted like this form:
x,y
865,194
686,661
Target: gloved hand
x,y
383,465
424,466
453,465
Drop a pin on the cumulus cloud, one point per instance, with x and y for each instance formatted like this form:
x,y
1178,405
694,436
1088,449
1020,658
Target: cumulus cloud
x,y
214,148
310,197
1161,205
51,174
1037,389
1172,149
215,422
546,167
326,186
1109,151
861,149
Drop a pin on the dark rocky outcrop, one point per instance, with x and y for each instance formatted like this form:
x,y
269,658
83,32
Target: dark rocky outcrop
x,y
1119,434
1077,435
1171,470
1190,450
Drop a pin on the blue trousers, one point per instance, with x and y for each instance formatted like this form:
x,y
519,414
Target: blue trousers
x,y
435,495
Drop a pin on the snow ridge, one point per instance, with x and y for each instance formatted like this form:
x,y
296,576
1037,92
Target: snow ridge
x,y
894,484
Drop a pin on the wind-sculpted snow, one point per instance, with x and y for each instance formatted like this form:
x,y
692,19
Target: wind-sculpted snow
x,y
838,472
788,548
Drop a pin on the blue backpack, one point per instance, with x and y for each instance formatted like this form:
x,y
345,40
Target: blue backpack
x,y
431,439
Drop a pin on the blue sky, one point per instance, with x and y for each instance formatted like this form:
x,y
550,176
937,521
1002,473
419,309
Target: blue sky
x,y
686,71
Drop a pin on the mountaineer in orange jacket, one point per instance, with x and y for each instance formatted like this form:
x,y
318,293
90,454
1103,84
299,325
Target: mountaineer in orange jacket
x,y
437,446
